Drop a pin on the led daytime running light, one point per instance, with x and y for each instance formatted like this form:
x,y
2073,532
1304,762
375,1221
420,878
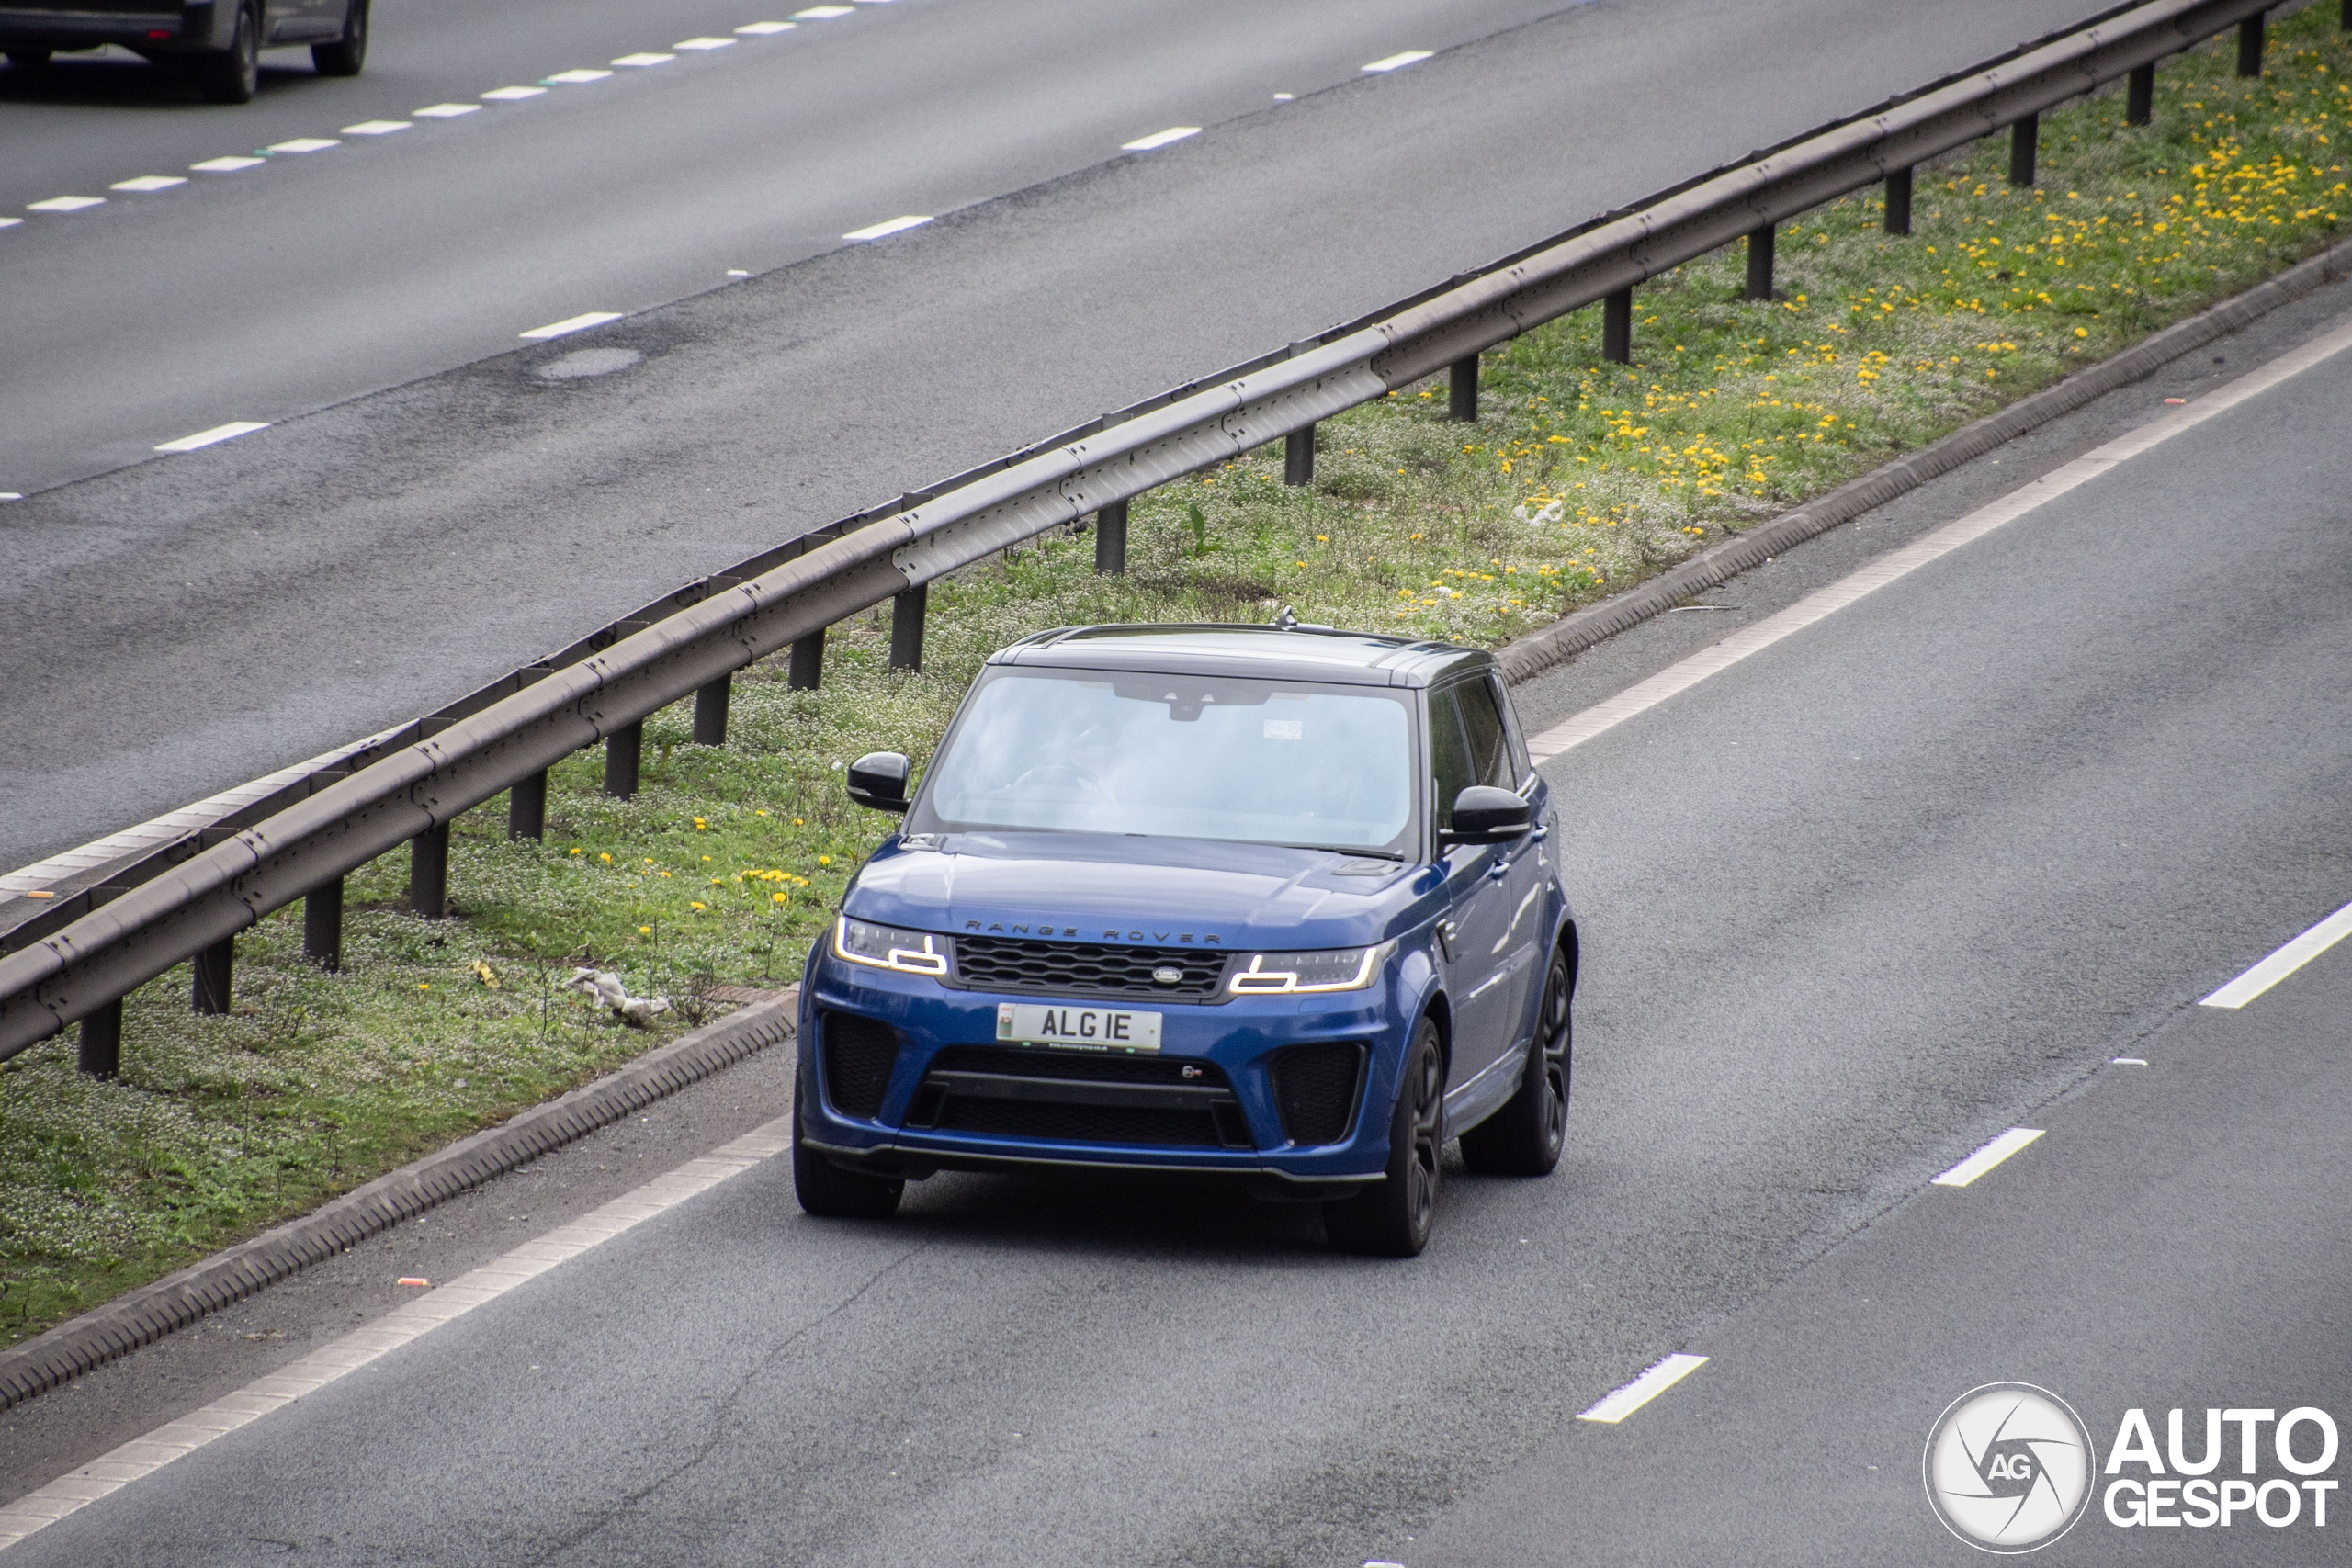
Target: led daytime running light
x,y
1259,979
928,959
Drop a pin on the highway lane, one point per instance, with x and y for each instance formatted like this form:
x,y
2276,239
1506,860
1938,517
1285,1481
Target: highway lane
x,y
1850,908
203,618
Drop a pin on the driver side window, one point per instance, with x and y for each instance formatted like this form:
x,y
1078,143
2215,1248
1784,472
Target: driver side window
x,y
1450,765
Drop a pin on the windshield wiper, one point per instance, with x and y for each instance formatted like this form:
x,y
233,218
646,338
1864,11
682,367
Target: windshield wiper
x,y
1340,849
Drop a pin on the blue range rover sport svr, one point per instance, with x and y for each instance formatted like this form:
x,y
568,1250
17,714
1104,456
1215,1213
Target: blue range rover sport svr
x,y
1277,902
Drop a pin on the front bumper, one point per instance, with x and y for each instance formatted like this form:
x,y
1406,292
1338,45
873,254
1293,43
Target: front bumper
x,y
1236,1044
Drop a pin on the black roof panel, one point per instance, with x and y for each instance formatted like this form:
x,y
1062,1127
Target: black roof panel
x,y
1299,654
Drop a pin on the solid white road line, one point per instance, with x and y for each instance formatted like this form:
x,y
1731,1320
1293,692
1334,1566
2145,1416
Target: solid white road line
x,y
764,29
227,165
642,61
215,435
892,226
571,324
1159,139
512,95
2284,961
65,204
1988,1156
704,43
303,144
447,111
1679,677
1398,61
575,78
150,181
375,128
411,1320
1616,1406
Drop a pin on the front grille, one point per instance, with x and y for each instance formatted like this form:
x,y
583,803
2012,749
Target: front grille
x,y
1067,1097
1086,969
1316,1088
858,1055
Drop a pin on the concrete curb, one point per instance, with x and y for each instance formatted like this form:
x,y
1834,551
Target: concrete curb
x,y
1574,633
146,1314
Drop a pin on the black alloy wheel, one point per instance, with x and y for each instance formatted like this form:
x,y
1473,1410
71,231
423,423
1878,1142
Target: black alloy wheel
x,y
346,54
232,75
1525,1137
826,1190
1392,1218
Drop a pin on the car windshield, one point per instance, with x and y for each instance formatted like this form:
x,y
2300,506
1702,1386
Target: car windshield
x,y
1183,756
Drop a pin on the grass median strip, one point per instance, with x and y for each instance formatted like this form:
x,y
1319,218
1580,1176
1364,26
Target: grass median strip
x,y
1580,479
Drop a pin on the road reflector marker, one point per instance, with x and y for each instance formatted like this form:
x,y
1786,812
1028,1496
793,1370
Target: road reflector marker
x,y
641,61
215,435
150,181
512,95
65,204
413,1279
2284,961
2127,1061
575,78
704,43
1398,61
1988,1156
893,226
571,324
1159,139
763,30
303,144
375,128
1615,1407
15,495
447,111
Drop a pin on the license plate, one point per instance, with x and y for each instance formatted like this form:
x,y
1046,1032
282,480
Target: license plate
x,y
1078,1029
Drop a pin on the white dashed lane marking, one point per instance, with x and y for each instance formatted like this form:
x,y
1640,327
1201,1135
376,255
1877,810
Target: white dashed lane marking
x,y
215,435
763,30
9,223
821,13
512,95
571,324
65,204
1159,139
375,128
227,165
891,226
303,144
1398,61
699,43
150,181
447,111
1988,1156
575,78
2284,961
1615,1407
641,61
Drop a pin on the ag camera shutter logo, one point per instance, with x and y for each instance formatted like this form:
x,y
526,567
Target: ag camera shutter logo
x,y
2008,1467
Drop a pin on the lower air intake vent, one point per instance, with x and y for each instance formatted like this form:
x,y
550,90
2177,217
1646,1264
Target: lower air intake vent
x,y
1316,1088
858,1055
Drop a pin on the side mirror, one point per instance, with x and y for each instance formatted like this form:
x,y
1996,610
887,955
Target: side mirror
x,y
1485,814
878,779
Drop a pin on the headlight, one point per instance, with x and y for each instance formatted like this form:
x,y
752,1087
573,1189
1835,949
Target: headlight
x,y
888,947
1331,969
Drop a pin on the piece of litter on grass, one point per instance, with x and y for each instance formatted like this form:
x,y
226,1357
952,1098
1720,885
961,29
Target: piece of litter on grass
x,y
1549,514
413,1279
606,988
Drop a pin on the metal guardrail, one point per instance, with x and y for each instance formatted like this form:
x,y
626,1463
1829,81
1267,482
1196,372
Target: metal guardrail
x,y
113,928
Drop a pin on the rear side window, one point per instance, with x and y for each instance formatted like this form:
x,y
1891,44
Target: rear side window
x,y
1490,759
1450,765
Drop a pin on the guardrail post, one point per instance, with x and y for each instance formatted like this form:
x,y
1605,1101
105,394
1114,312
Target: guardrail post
x,y
101,1050
1111,540
1617,327
623,749
710,712
2140,93
2250,46
907,609
1759,263
323,926
428,872
808,662
209,971
526,807
2024,136
1298,457
1898,201
1462,390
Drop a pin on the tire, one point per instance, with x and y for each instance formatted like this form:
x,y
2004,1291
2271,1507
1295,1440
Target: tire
x,y
28,59
826,1190
346,54
1392,1219
232,74
1524,1138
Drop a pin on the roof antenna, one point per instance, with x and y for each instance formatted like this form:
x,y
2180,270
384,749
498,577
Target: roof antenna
x,y
1286,621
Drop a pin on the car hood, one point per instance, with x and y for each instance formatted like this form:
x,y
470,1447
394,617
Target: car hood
x,y
1132,890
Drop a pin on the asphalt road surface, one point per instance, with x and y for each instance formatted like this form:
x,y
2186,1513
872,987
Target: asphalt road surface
x,y
189,622
1852,907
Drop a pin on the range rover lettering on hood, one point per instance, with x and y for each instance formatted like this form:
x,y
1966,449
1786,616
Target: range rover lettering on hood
x,y
1001,927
